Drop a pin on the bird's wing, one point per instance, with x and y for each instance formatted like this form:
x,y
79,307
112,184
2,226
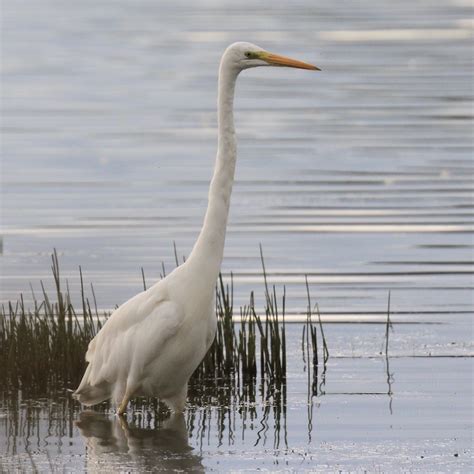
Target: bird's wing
x,y
147,319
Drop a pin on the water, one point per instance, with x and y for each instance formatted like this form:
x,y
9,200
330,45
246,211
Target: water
x,y
358,421
359,176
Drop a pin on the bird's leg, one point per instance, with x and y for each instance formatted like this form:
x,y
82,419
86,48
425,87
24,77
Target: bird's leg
x,y
123,406
178,403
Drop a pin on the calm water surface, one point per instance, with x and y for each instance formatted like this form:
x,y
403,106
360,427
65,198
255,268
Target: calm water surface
x,y
409,416
359,177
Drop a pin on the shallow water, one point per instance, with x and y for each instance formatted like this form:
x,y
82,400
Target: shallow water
x,y
410,416
359,177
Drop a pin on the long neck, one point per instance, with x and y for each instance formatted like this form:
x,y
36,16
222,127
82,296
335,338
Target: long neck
x,y
209,248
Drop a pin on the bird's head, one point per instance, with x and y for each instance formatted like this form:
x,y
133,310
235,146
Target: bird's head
x,y
247,55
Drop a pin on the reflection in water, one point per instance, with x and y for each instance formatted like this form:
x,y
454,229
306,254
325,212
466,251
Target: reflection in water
x,y
112,442
224,410
390,378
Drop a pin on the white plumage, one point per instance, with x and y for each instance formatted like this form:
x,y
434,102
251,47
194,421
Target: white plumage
x,y
152,344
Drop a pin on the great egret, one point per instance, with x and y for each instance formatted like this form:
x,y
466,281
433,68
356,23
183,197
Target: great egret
x,y
151,345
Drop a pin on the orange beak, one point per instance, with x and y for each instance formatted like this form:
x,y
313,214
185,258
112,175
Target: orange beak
x,y
277,60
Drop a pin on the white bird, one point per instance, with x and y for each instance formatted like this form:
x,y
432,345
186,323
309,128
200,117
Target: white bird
x,y
151,345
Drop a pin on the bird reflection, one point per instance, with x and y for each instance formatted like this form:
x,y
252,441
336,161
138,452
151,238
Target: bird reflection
x,y
114,445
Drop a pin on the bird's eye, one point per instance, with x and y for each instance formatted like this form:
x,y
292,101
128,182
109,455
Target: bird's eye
x,y
247,54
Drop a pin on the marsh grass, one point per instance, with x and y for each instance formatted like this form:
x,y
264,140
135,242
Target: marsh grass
x,y
42,348
309,347
247,361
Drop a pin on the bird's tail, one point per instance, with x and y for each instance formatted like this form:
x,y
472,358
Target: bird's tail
x,y
88,394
